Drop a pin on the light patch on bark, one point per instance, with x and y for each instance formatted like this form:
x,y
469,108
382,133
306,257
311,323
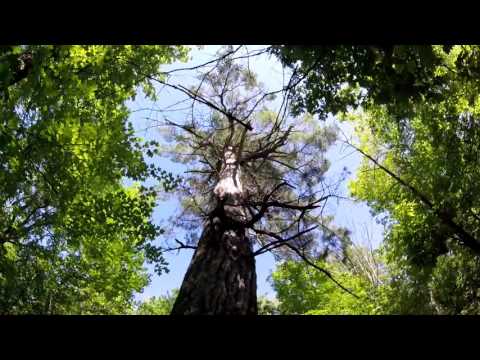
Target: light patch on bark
x,y
229,183
241,282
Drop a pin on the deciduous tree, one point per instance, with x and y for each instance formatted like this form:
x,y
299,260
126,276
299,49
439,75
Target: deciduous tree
x,y
73,236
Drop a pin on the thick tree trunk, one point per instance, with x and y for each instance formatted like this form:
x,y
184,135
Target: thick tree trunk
x,y
221,278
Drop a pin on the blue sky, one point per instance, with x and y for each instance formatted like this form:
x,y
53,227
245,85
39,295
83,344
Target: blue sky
x,y
354,216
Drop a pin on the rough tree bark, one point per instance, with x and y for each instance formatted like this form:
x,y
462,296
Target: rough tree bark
x,y
221,278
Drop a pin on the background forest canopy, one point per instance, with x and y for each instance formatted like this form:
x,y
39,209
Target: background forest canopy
x,y
84,175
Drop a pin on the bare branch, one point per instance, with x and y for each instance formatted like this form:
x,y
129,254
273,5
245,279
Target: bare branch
x,y
224,56
280,241
464,236
283,242
327,273
182,246
197,97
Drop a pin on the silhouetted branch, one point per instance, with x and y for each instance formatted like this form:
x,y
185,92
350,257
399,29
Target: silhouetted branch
x,y
280,241
182,246
467,239
284,242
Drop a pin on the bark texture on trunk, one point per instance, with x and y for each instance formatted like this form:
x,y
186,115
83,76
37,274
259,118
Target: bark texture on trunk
x,y
221,278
